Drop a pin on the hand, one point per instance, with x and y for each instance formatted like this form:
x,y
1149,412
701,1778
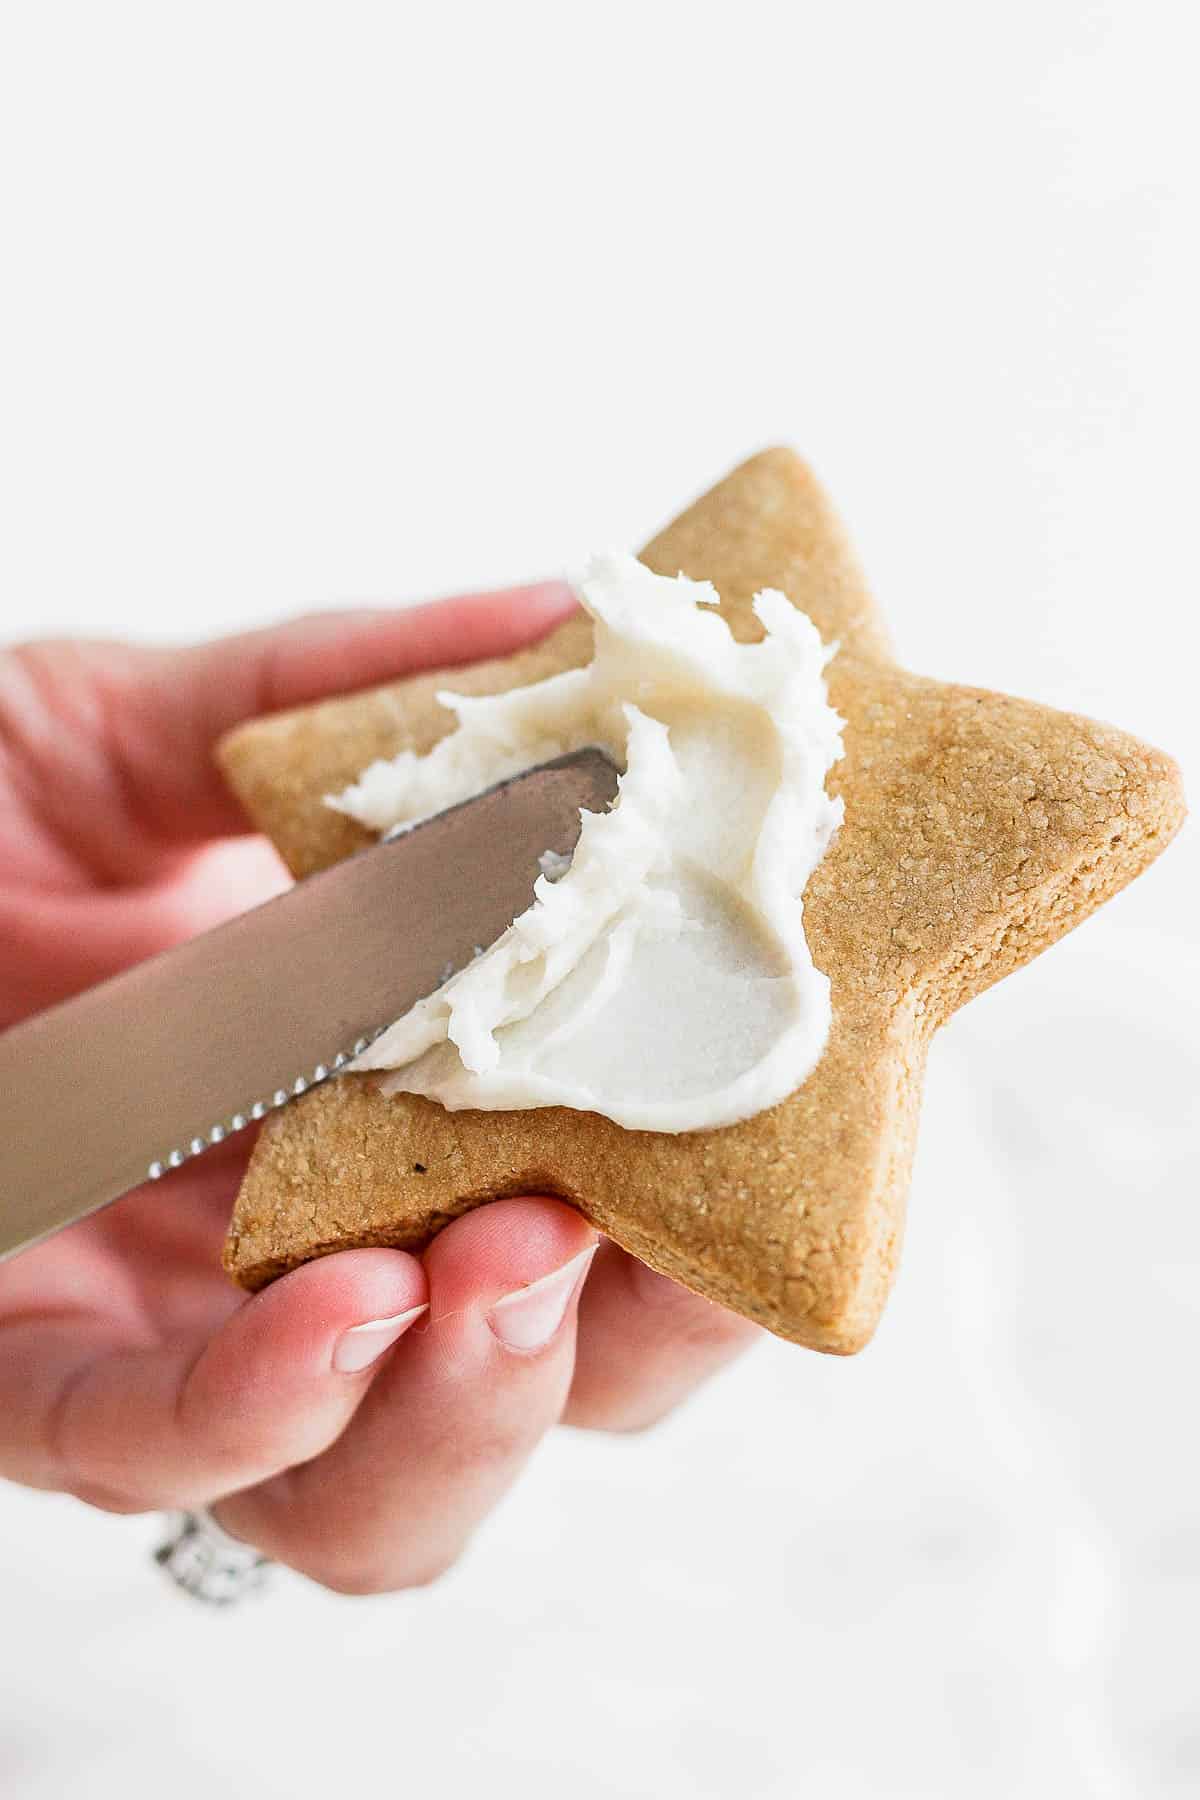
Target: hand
x,y
359,1417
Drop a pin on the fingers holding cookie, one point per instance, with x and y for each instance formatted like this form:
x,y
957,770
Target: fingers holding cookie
x,y
645,1345
450,1418
526,1325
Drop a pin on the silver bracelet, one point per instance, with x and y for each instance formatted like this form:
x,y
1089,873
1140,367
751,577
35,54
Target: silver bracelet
x,y
207,1563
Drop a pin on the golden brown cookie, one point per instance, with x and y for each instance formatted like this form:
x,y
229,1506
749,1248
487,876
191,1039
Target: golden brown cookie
x,y
978,830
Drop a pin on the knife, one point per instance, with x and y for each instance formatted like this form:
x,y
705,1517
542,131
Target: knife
x,y
132,1078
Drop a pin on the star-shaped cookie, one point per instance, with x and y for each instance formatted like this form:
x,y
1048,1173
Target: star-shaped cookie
x,y
978,829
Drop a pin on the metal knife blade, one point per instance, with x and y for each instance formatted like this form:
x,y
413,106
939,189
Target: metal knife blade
x,y
131,1078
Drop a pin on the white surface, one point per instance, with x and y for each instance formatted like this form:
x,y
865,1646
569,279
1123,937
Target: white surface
x,y
305,304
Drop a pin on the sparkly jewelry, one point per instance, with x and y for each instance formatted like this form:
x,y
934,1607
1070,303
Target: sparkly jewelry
x,y
207,1563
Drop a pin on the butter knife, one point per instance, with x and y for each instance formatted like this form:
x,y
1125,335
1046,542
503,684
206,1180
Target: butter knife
x,y
129,1080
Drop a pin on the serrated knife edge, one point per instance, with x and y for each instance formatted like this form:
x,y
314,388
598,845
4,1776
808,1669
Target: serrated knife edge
x,y
106,1090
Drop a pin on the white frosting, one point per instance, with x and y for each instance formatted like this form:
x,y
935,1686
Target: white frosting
x,y
663,977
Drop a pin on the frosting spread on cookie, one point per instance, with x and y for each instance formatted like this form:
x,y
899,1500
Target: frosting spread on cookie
x,y
663,978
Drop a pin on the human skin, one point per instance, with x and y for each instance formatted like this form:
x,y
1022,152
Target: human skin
x,y
357,1419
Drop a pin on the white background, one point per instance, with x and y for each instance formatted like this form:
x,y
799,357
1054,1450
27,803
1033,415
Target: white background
x,y
309,304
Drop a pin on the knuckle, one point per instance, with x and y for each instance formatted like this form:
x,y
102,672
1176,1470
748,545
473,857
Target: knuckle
x,y
359,1580
52,678
108,1500
42,661
429,1572
349,1583
638,1424
618,1417
315,1564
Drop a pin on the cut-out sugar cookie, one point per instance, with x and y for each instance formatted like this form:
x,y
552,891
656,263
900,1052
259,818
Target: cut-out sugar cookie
x,y
978,829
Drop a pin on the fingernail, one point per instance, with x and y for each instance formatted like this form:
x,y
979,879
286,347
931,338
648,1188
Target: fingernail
x,y
529,1317
363,1345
